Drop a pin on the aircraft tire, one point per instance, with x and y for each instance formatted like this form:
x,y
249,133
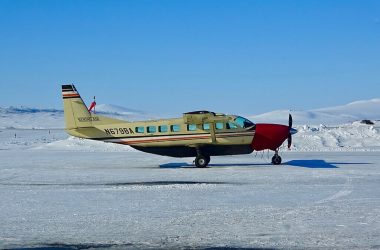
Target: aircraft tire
x,y
201,161
276,160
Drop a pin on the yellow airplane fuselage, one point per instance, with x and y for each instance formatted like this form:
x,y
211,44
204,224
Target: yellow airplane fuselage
x,y
199,134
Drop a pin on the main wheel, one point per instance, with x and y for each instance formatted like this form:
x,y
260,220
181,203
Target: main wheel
x,y
276,160
201,161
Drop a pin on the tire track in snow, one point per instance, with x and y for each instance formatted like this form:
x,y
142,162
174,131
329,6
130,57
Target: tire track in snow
x,y
344,191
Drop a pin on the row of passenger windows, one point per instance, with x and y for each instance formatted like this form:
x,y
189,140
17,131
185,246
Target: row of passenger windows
x,y
161,129
177,128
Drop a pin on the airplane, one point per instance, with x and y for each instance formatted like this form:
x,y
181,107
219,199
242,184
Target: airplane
x,y
199,134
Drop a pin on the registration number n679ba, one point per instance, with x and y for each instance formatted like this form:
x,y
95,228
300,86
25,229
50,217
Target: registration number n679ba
x,y
119,131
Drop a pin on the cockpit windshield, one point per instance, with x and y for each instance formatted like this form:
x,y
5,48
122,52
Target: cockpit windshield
x,y
243,122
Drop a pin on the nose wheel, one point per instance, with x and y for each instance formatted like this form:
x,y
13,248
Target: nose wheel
x,y
202,161
276,159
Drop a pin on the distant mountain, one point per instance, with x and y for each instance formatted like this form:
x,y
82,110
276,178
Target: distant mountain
x,y
359,110
367,109
24,110
118,110
33,118
123,113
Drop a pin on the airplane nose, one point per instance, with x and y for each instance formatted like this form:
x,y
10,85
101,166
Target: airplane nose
x,y
269,136
293,131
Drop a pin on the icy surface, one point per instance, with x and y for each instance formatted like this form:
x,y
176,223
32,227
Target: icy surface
x,y
122,200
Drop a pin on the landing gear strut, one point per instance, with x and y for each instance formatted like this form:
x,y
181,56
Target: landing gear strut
x,y
276,159
201,161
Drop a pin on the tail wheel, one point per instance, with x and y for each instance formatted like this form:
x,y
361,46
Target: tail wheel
x,y
276,160
201,161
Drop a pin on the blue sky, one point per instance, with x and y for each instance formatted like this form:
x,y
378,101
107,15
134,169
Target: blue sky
x,y
168,57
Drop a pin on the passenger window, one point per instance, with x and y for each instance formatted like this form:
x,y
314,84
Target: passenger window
x,y
191,127
163,128
139,129
151,129
175,128
231,125
206,126
219,125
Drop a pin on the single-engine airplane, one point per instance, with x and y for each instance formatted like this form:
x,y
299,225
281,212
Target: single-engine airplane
x,y
199,134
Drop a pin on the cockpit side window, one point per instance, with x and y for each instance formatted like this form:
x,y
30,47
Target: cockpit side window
x,y
243,122
231,125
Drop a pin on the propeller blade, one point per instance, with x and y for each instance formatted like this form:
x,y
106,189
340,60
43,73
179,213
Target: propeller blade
x,y
290,134
289,140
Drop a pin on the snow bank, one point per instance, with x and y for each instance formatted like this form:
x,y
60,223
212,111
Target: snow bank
x,y
29,138
348,137
77,144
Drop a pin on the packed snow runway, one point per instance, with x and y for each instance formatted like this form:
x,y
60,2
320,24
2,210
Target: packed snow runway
x,y
73,199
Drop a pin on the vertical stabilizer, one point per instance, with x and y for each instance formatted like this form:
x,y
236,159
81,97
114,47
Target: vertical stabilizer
x,y
76,112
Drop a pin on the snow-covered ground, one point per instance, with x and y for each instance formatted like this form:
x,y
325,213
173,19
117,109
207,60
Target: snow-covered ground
x,y
60,192
129,200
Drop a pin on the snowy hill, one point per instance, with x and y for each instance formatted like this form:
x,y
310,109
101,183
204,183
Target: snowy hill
x,y
33,118
368,109
117,110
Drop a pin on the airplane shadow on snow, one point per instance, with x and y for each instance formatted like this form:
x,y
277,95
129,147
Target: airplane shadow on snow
x,y
314,163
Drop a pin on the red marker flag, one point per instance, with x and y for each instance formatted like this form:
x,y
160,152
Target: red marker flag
x,y
92,106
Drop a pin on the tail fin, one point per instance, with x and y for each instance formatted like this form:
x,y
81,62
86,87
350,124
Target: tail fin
x,y
76,112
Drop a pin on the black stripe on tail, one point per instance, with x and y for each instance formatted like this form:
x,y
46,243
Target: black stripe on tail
x,y
66,88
